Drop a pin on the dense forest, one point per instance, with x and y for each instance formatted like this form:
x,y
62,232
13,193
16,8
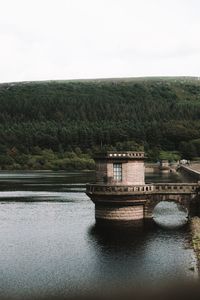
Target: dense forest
x,y
60,124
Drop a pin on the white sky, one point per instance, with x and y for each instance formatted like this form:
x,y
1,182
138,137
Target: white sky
x,y
68,39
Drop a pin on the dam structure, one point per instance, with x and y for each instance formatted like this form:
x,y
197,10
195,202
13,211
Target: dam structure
x,y
120,193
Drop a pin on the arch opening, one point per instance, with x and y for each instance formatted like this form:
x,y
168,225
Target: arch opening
x,y
170,214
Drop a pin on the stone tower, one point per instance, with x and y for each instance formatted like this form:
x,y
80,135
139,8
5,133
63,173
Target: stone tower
x,y
121,195
116,172
124,168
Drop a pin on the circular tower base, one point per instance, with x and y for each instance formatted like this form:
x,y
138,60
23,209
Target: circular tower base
x,y
108,214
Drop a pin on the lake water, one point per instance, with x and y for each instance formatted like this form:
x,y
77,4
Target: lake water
x,y
49,244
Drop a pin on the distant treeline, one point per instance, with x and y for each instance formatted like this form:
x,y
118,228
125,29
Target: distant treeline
x,y
70,119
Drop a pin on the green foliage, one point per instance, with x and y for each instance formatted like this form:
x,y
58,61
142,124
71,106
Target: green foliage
x,y
52,124
47,160
6,160
169,155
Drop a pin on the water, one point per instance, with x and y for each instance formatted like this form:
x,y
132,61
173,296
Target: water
x,y
49,244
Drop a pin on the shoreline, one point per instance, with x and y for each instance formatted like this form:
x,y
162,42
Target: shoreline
x,y
195,238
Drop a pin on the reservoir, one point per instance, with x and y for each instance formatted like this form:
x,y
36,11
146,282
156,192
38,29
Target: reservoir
x,y
49,243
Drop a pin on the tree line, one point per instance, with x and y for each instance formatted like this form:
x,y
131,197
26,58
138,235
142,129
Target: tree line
x,y
83,117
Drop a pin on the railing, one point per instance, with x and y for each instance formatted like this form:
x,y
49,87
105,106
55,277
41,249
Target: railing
x,y
157,188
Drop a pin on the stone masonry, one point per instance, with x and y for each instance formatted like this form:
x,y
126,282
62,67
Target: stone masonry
x,y
125,196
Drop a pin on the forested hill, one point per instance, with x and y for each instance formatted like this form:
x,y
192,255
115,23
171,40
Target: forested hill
x,y
157,113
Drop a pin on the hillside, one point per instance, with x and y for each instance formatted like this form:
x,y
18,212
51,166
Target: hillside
x,y
161,114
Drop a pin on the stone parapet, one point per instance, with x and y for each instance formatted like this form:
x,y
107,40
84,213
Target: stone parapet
x,y
121,155
157,188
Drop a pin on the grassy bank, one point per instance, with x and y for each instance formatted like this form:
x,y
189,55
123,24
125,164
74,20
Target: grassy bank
x,y
195,228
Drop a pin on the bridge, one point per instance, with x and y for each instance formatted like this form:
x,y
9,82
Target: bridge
x,y
120,192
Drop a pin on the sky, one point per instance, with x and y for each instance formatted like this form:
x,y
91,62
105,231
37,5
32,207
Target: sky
x,y
74,39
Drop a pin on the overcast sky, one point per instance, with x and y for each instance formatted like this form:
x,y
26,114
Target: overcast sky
x,y
69,39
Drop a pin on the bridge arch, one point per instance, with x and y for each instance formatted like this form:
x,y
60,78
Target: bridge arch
x,y
182,200
170,214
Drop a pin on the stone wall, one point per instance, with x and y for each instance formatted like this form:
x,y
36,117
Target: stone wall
x,y
132,172
109,170
120,208
135,172
101,171
187,201
193,171
119,213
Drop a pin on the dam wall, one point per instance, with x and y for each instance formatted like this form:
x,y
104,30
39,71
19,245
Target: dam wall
x,y
192,170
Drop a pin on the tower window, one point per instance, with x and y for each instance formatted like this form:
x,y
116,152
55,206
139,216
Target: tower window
x,y
117,171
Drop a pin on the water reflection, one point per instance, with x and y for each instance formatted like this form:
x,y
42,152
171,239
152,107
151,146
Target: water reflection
x,y
52,246
44,181
120,236
170,215
167,177
133,255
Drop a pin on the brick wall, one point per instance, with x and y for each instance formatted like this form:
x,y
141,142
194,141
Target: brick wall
x,y
134,172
